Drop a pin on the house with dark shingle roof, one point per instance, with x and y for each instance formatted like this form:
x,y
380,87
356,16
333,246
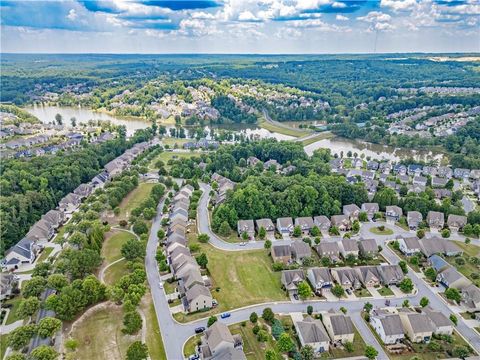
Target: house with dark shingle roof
x,y
471,297
218,343
390,274
393,213
414,218
281,253
285,225
346,277
451,278
246,226
267,224
339,327
320,279
300,250
351,211
371,209
456,222
369,275
388,326
342,222
409,245
435,220
442,324
291,278
349,247
368,247
322,222
305,223
416,326
330,250
312,332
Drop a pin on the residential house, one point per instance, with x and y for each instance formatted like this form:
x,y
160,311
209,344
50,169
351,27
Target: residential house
x,y
471,297
456,222
351,211
339,327
246,226
385,168
357,163
267,224
281,253
435,220
438,263
83,190
369,275
390,274
463,174
8,285
400,169
404,179
409,245
289,170
305,224
269,163
372,165
350,247
368,247
346,277
371,209
438,182
312,332
25,251
450,277
285,225
417,326
441,323
414,169
218,343
197,298
445,172
300,250
252,161
341,222
330,250
388,326
290,280
414,218
41,231
393,213
322,222
438,245
429,170
420,180
190,279
320,279
69,203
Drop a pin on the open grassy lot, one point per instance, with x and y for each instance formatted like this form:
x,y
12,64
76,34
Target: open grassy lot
x,y
281,129
115,272
172,141
113,244
190,344
134,199
100,336
168,155
154,339
469,249
252,348
3,345
466,267
320,136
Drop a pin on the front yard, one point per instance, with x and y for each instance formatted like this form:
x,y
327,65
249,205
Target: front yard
x,y
385,291
362,293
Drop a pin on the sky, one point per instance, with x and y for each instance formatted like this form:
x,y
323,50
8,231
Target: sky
x,y
240,26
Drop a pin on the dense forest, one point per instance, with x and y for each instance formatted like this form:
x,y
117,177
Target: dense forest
x,y
31,187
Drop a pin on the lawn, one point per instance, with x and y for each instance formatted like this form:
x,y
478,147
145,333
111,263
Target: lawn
x,y
321,136
252,348
154,339
414,267
172,141
113,244
100,335
134,199
3,345
169,287
115,272
469,249
282,130
384,291
358,348
168,155
377,231
43,256
467,268
242,279
362,293
12,315
59,237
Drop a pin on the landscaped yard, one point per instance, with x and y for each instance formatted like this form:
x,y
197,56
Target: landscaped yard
x,y
169,287
362,293
466,267
115,272
381,230
113,244
134,199
384,291
252,348
154,340
12,315
358,348
43,256
190,344
414,267
100,335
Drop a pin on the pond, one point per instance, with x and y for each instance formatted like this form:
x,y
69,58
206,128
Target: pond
x,y
375,151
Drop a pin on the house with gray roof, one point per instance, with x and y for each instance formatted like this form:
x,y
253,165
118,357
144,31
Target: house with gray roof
x,y
438,182
441,323
369,275
342,222
305,224
281,253
246,226
438,245
471,297
438,263
300,250
267,224
83,190
451,278
435,220
69,203
349,247
368,247
409,245
322,222
420,180
351,211
218,343
25,251
320,279
291,278
285,225
393,213
197,298
414,218
339,327
330,250
41,231
417,326
388,326
312,332
456,222
371,209
445,172
54,217
390,274
8,284
346,277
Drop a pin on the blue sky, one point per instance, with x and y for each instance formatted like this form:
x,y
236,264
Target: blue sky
x,y
240,26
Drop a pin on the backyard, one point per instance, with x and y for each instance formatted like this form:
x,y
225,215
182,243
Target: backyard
x,y
468,263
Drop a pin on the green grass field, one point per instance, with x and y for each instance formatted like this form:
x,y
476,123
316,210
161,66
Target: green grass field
x,y
3,345
467,268
43,256
172,141
113,244
168,155
12,315
377,231
362,293
134,199
154,339
384,291
115,272
321,136
282,130
100,336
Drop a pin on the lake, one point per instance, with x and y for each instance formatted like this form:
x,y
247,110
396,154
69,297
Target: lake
x,y
375,151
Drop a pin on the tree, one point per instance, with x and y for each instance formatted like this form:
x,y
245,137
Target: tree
x,y
132,322
370,352
43,352
453,294
267,244
71,344
304,290
203,238
285,343
406,285
368,307
48,326
445,233
262,233
262,336
362,216
431,274
137,351
57,281
461,351
161,234
244,236
202,260
58,119
268,315
454,319
271,354
16,356
253,317
348,346
315,231
403,266
343,309
34,287
28,307
211,320
424,301
338,291
20,337
406,303
140,227
224,229
133,249
356,226
42,269
420,233
307,353
309,309
297,231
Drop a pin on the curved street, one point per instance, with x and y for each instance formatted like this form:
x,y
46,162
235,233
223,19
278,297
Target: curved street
x,y
175,334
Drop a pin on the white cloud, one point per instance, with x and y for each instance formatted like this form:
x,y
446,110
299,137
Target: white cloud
x,y
339,5
398,5
375,16
311,4
247,16
72,15
202,15
341,18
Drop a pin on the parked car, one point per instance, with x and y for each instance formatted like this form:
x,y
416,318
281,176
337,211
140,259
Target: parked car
x,y
160,285
295,296
199,330
194,357
387,302
225,315
349,291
